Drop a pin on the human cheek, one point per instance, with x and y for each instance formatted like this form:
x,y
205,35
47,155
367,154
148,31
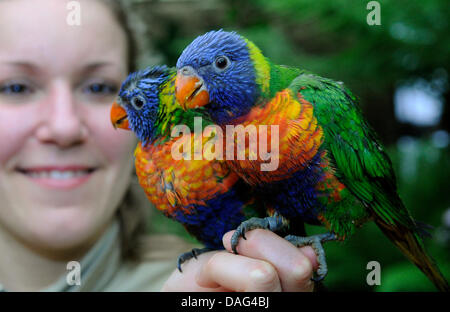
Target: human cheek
x,y
116,148
116,145
16,126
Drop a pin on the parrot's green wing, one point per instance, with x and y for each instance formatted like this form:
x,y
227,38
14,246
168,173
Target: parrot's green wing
x,y
359,159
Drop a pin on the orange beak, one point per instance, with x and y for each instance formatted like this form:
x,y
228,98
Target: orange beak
x,y
119,117
190,91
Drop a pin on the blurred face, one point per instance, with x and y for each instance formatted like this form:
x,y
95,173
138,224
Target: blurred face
x,y
63,168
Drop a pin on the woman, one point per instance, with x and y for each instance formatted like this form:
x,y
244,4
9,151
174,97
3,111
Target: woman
x,y
65,172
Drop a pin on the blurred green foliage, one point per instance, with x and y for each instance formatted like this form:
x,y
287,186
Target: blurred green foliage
x,y
333,39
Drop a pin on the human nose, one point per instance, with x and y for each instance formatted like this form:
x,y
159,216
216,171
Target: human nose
x,y
62,123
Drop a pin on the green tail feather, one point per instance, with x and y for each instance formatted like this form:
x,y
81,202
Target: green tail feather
x,y
411,246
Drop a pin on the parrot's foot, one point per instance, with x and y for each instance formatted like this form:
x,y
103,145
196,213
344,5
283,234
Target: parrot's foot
x,y
189,255
315,241
273,223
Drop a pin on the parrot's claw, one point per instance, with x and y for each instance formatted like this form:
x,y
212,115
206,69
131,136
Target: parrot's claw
x,y
273,223
315,241
189,255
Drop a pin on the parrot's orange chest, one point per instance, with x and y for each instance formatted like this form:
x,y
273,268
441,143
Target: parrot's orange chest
x,y
292,137
172,184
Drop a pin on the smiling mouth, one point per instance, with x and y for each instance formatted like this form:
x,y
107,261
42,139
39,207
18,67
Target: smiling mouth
x,y
56,174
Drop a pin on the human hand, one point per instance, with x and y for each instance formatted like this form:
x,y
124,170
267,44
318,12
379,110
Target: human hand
x,y
265,262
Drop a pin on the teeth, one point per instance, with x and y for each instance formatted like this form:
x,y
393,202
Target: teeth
x,y
57,175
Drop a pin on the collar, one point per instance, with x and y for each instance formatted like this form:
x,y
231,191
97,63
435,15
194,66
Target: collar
x,y
97,267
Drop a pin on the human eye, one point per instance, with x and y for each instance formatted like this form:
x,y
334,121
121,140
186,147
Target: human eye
x,y
101,88
18,91
15,88
98,90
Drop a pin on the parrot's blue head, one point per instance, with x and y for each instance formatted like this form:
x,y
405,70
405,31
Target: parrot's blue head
x,y
217,71
138,102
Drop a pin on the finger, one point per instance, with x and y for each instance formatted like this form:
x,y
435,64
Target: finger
x,y
238,273
187,280
294,265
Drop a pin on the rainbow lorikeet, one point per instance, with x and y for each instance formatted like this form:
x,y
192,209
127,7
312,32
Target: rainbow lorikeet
x,y
205,196
332,169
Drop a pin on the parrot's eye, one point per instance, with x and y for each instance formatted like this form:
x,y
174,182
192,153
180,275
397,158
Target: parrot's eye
x,y
221,62
137,102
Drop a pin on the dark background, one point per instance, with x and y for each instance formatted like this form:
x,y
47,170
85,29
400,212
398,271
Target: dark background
x,y
399,70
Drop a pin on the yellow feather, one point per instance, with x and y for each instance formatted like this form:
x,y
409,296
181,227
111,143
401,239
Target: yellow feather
x,y
262,67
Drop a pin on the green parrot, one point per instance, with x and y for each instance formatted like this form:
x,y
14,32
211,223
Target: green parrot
x,y
331,168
